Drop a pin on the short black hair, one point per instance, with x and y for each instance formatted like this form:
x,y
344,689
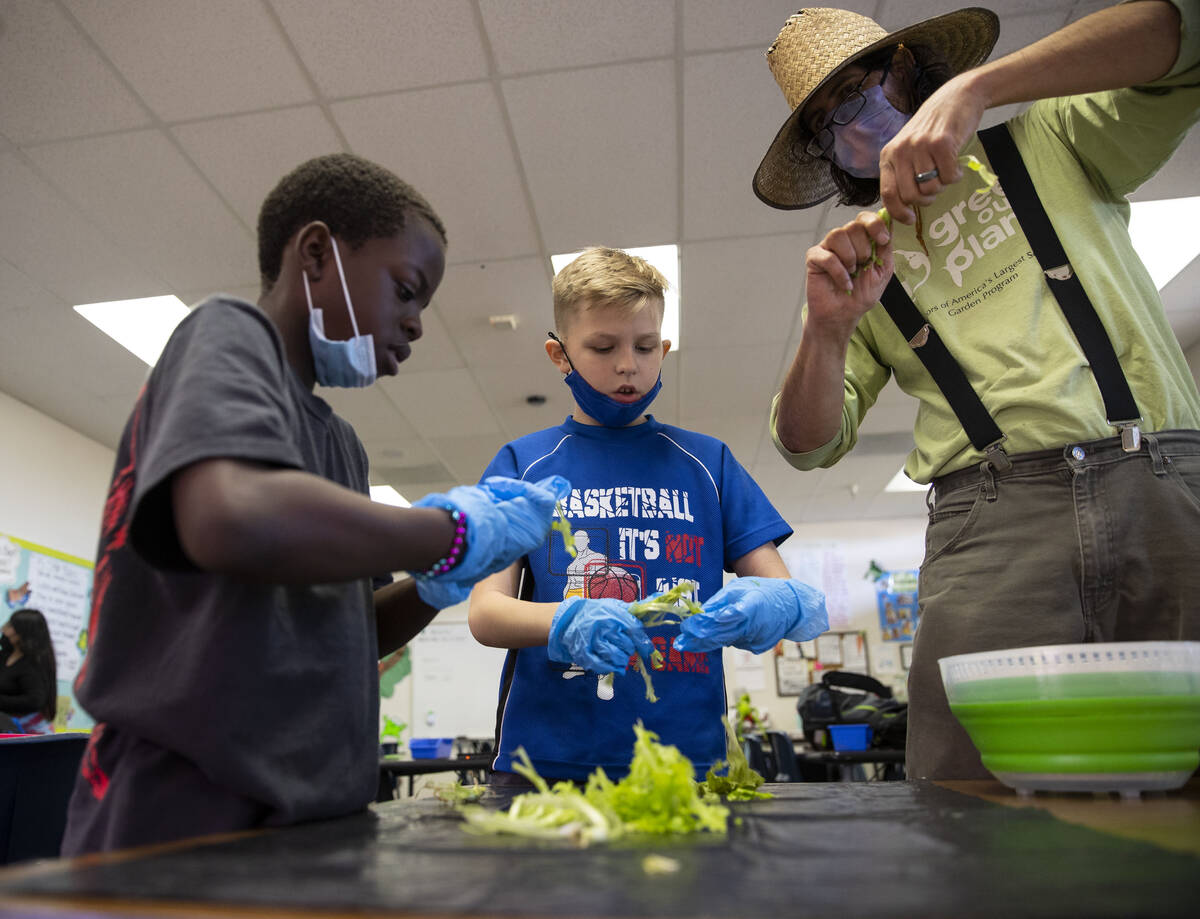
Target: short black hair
x,y
357,199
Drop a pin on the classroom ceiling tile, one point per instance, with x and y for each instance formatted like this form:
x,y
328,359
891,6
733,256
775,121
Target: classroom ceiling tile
x,y
546,34
20,292
243,157
467,456
55,82
441,403
359,47
146,195
722,151
710,25
472,182
379,421
506,387
473,294
39,225
742,291
193,60
742,433
604,136
54,357
727,379
436,349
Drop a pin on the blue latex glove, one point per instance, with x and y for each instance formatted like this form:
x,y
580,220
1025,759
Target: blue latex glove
x,y
753,614
506,519
598,635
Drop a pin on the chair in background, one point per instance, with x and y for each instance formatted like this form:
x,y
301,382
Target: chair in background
x,y
784,757
37,774
756,756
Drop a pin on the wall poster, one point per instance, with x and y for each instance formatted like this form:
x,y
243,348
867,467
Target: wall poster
x,y
60,586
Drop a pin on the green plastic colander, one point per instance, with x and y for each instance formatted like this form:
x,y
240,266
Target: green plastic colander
x,y
1113,716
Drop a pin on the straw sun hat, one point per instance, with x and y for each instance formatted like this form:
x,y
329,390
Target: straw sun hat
x,y
814,45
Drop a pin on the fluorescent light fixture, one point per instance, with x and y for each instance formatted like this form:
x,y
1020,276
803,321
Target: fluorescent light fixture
x,y
666,260
385,494
901,482
140,326
1164,235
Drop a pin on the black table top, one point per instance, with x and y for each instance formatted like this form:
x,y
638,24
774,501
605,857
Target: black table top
x,y
398,766
868,849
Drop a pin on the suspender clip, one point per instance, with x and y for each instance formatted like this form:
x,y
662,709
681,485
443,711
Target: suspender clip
x,y
1061,273
1131,434
997,457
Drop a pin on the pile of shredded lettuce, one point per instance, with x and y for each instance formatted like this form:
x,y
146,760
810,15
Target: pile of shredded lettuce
x,y
740,782
659,796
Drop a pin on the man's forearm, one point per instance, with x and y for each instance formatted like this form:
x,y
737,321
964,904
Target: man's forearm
x,y
1120,46
810,402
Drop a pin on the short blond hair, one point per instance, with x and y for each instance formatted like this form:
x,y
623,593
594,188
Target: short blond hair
x,y
606,277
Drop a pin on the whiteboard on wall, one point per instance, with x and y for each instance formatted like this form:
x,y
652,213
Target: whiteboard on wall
x,y
456,682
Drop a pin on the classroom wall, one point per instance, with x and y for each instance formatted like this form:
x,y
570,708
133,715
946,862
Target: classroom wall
x,y
843,552
53,481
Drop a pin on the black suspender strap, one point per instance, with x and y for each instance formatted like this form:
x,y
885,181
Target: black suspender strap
x,y
1120,409
923,339
1119,405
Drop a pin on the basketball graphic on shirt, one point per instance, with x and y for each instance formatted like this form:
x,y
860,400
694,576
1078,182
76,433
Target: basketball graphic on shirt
x,y
607,581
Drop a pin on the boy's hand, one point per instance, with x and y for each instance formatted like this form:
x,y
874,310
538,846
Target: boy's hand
x,y
755,613
506,519
598,635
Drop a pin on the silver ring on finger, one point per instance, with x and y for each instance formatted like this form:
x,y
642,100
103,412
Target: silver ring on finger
x,y
926,176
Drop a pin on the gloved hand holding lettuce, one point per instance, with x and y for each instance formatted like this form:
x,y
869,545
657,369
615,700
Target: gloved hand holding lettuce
x,y
598,635
754,613
506,519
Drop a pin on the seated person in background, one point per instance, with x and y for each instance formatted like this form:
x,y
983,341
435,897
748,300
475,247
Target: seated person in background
x,y
659,505
235,632
28,676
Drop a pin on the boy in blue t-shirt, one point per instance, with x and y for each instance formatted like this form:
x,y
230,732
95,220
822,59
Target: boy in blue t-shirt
x,y
652,506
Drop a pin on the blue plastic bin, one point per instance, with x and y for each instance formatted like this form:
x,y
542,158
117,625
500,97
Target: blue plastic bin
x,y
431,747
850,736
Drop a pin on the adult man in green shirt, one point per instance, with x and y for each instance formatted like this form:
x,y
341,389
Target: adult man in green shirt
x,y
1060,532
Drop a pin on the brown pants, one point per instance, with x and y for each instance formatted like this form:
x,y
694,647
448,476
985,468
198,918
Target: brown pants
x,y
1086,543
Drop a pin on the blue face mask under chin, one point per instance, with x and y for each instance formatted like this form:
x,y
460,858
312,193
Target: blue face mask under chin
x,y
857,145
349,363
605,409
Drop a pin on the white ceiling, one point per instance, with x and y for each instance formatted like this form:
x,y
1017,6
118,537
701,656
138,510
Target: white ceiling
x,y
137,138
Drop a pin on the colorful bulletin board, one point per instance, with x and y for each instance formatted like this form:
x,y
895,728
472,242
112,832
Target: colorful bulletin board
x,y
898,612
60,586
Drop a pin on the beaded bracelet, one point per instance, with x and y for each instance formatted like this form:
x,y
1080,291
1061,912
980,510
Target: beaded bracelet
x,y
452,558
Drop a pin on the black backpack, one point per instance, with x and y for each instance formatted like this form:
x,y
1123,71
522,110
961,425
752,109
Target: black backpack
x,y
824,703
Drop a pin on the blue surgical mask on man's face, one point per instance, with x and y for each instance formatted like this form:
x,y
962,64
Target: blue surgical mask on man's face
x,y
857,145
349,363
605,409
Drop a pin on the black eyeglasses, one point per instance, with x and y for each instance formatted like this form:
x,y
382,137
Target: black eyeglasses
x,y
843,113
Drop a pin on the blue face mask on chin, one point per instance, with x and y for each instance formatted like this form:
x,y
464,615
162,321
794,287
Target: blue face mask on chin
x,y
857,145
605,409
349,363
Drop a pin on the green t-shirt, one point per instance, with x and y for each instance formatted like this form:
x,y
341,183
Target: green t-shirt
x,y
981,288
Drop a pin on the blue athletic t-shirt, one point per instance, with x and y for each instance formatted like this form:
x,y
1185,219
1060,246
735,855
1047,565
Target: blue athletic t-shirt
x,y
651,505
